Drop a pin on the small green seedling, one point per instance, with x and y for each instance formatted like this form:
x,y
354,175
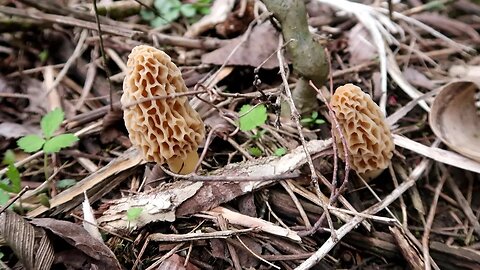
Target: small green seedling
x,y
134,213
280,152
312,120
50,144
252,117
12,183
255,151
170,10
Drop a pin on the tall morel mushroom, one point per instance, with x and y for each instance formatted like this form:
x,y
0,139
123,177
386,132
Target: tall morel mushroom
x,y
368,138
167,129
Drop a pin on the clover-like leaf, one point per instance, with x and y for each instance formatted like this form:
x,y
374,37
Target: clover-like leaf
x,y
134,213
30,143
51,122
252,117
56,143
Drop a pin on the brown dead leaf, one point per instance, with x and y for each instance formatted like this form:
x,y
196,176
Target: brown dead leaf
x,y
261,43
445,24
418,79
76,236
175,262
360,45
237,22
21,236
10,130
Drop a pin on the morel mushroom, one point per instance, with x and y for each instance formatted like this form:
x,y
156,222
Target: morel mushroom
x,y
368,138
166,129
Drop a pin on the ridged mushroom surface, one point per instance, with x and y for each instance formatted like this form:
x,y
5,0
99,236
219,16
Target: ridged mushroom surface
x,y
368,138
165,130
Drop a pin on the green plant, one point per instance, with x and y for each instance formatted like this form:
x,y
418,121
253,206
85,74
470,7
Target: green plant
x,y
255,151
170,10
252,116
13,182
280,152
134,213
50,144
312,120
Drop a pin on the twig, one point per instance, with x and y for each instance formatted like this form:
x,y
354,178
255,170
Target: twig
x,y
14,199
428,225
350,225
219,178
295,114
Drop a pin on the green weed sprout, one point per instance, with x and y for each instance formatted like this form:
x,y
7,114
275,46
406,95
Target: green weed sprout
x,y
312,120
252,117
170,10
12,183
50,144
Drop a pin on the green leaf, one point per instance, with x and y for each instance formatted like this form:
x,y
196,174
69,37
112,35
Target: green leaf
x,y
188,10
319,121
134,213
147,15
280,152
252,117
31,143
9,157
4,197
43,199
43,56
66,183
5,185
14,176
255,151
51,122
172,15
58,142
306,120
314,115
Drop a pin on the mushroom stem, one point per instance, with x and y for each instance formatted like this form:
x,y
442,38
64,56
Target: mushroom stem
x,y
183,166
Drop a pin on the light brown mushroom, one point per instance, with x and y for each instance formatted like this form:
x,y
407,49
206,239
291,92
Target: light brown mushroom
x,y
368,138
166,130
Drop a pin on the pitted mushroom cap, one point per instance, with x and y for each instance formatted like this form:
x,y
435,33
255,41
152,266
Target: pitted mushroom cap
x,y
368,137
166,130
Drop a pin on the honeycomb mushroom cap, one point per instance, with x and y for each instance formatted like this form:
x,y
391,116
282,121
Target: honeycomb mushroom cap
x,y
166,130
368,138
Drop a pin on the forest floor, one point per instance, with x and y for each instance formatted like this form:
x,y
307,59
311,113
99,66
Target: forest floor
x,y
272,190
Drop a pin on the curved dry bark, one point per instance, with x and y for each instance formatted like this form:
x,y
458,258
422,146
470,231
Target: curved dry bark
x,y
308,56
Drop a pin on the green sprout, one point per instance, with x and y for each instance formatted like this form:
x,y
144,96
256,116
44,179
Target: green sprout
x,y
50,144
252,117
170,10
312,120
12,183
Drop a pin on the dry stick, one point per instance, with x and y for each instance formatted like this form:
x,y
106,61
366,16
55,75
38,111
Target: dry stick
x,y
464,205
256,255
353,223
144,247
335,193
288,188
76,53
14,199
166,256
205,147
428,225
222,223
90,78
102,51
295,114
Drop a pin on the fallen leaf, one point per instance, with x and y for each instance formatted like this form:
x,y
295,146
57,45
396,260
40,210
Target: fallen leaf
x,y
260,44
10,130
360,45
418,79
79,238
20,237
175,262
445,24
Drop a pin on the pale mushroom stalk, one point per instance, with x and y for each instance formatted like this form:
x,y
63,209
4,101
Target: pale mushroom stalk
x,y
164,130
369,141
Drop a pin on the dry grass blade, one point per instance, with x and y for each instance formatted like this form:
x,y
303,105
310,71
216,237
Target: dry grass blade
x,y
20,236
438,154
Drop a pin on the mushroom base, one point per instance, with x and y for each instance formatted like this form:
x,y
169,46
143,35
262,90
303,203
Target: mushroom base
x,y
183,166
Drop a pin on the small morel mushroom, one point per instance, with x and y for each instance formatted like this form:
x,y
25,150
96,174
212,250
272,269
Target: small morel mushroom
x,y
368,138
165,130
